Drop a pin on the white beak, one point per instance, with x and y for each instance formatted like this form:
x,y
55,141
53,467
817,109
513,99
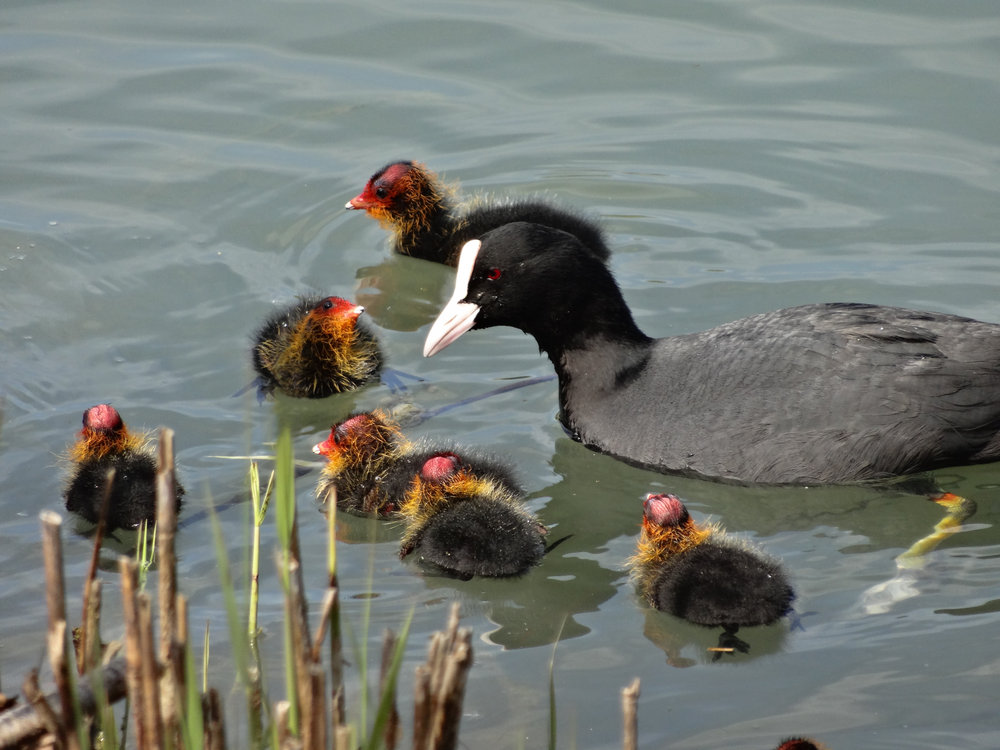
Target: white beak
x,y
457,317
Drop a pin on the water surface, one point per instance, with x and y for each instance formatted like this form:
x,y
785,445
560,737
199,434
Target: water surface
x,y
172,174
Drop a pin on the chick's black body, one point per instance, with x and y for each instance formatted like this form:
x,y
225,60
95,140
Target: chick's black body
x,y
133,491
479,536
465,518
105,443
721,583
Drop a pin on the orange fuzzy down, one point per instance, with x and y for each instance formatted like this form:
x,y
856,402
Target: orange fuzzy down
x,y
425,498
96,444
334,340
421,196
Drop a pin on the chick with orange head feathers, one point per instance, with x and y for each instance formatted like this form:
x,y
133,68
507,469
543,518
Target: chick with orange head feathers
x,y
105,443
315,348
699,574
369,465
409,199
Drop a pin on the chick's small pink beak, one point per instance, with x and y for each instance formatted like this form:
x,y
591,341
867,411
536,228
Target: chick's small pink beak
x,y
325,448
357,202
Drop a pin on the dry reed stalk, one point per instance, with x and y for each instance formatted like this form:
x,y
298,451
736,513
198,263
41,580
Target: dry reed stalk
x,y
90,635
89,654
150,673
64,687
282,709
315,720
312,707
215,726
440,687
337,700
421,706
630,703
133,651
343,738
391,735
55,587
177,664
46,721
166,532
24,722
55,597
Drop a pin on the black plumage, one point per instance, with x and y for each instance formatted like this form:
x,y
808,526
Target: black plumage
x,y
409,199
822,393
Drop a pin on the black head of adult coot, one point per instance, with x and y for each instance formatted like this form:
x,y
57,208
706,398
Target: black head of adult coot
x,y
822,393
410,200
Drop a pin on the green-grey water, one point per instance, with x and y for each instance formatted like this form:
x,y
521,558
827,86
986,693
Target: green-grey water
x,y
170,175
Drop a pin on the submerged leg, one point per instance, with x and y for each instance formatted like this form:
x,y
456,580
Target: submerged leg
x,y
729,643
959,510
880,598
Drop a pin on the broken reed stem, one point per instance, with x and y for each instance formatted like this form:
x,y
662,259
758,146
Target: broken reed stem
x,y
89,636
64,687
282,709
440,687
166,533
89,653
336,644
150,674
55,587
630,713
23,722
215,727
46,719
391,736
343,738
55,598
311,706
147,732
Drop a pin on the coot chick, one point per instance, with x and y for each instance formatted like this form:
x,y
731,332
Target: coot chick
x,y
699,574
106,443
315,348
801,743
369,465
465,523
823,393
408,198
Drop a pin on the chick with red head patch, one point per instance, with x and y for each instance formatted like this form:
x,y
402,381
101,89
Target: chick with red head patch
x,y
106,443
315,348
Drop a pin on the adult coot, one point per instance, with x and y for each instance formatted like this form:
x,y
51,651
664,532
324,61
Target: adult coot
x,y
315,348
821,393
408,198
105,443
464,521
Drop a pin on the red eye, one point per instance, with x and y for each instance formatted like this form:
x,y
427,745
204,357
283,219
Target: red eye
x,y
493,274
